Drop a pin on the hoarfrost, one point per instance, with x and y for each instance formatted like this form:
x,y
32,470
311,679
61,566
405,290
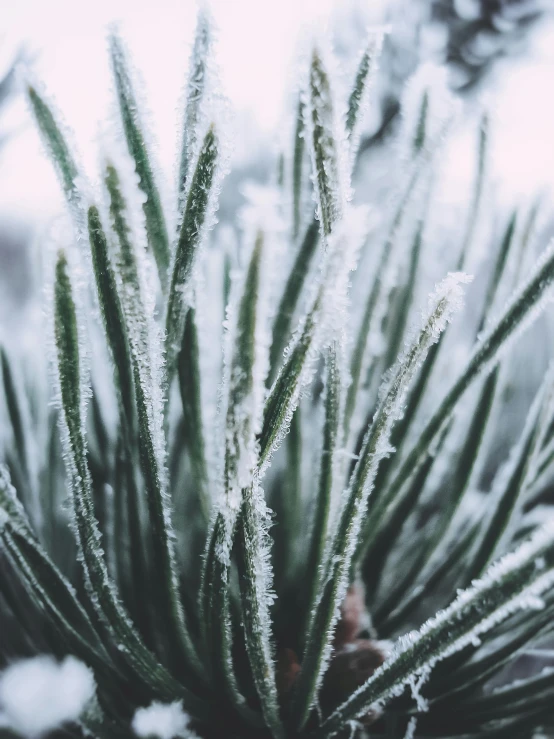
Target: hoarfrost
x,y
416,682
366,72
447,299
371,341
63,152
204,106
329,147
262,212
129,79
427,87
79,265
244,384
443,304
522,464
264,570
74,446
196,221
326,318
139,301
341,258
10,505
38,695
133,277
198,78
545,295
376,446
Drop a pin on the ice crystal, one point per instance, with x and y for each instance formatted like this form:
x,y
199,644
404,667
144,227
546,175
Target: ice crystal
x,y
281,515
162,720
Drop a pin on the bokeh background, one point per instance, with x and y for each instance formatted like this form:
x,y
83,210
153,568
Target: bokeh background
x,y
499,54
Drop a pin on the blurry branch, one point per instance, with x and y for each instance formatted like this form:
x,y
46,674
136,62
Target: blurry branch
x,y
478,34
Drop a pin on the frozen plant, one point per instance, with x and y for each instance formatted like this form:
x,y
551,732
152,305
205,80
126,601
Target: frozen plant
x,y
164,720
286,513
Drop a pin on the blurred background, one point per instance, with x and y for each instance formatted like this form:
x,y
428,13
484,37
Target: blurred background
x,y
499,56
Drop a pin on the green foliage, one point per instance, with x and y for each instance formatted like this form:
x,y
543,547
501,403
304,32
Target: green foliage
x,y
341,614
156,228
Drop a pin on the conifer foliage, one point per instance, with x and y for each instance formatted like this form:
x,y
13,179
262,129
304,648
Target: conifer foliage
x,y
275,529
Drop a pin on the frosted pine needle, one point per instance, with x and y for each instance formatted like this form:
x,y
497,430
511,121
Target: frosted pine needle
x,y
200,577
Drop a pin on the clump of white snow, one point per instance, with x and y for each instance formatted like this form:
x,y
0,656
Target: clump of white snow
x,y
39,694
447,300
430,80
162,720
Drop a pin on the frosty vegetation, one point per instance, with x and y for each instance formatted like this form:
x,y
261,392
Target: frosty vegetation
x,y
38,694
262,495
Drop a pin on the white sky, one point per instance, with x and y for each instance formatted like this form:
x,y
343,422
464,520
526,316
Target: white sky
x,y
257,42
